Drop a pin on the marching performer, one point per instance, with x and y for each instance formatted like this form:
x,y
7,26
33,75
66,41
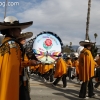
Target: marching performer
x,y
24,91
60,72
69,66
86,70
11,57
49,73
45,70
97,73
40,70
34,69
76,65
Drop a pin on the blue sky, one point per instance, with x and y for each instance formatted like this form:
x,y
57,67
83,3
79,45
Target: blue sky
x,y
67,18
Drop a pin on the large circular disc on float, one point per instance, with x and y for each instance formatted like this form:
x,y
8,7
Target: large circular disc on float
x,y
47,47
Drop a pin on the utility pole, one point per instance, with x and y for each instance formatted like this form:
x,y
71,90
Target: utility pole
x,y
88,20
6,4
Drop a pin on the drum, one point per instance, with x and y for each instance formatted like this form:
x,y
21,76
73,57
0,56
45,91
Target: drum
x,y
97,73
47,47
73,71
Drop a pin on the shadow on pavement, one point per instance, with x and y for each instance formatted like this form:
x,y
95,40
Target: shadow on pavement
x,y
69,93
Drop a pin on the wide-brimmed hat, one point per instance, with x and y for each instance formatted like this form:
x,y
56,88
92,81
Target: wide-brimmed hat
x,y
13,22
75,55
86,42
68,56
25,35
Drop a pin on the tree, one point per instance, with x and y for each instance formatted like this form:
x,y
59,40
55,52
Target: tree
x,y
94,50
67,49
88,19
95,36
70,43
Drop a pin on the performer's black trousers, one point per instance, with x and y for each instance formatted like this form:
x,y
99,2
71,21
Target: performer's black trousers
x,y
69,73
86,85
49,75
23,90
63,80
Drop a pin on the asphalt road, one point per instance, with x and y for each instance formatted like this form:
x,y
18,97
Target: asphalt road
x,y
41,90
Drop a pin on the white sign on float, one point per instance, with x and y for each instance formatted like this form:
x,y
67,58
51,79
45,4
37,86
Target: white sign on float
x,y
47,47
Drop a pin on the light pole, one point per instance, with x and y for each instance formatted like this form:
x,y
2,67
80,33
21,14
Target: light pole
x,y
6,4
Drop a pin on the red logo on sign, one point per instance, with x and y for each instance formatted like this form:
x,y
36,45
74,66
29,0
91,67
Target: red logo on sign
x,y
48,42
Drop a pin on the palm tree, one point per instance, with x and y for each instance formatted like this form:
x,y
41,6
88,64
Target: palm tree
x,y
70,44
88,19
95,36
94,48
71,47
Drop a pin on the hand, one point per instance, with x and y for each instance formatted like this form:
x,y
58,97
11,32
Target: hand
x,y
33,62
38,62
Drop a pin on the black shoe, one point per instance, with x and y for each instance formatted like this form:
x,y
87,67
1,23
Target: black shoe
x,y
72,77
53,85
84,97
93,96
64,86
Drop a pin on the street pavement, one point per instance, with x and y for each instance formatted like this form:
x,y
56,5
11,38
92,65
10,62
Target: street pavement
x,y
41,90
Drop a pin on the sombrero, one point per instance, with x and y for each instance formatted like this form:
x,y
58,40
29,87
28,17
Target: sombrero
x,y
86,42
68,56
25,35
13,22
75,55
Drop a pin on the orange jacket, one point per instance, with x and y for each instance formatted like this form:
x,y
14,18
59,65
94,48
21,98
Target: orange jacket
x,y
60,68
10,64
11,67
86,65
69,63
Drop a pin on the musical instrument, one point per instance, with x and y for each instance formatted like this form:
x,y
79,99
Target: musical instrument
x,y
47,47
97,73
73,72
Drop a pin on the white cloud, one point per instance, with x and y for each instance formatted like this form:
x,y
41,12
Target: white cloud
x,y
67,18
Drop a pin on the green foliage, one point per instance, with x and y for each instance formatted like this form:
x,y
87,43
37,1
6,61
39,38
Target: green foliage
x,y
95,35
70,43
94,50
67,49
